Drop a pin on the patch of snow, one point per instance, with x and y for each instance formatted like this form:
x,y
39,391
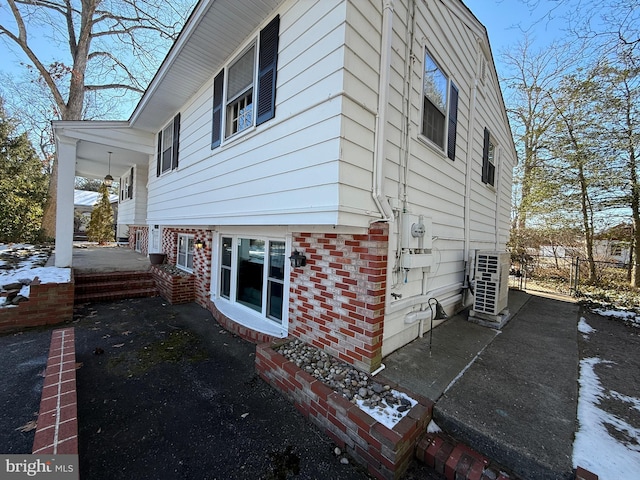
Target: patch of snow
x,y
594,448
433,427
584,327
387,416
44,274
30,268
623,314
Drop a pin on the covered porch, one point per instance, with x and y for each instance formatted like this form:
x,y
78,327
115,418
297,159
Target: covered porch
x,y
95,150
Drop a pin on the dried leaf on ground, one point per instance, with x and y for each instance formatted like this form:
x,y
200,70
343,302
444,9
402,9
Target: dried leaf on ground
x,y
27,427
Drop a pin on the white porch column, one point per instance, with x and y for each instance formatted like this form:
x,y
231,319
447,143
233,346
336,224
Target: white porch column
x,y
66,149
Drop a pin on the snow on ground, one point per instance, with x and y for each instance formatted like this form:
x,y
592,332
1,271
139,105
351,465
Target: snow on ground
x,y
594,448
28,267
628,316
584,327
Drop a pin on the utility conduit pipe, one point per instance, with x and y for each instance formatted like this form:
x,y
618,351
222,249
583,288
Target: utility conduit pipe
x,y
379,150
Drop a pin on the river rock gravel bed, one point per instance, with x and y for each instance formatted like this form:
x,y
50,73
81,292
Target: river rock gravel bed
x,y
356,386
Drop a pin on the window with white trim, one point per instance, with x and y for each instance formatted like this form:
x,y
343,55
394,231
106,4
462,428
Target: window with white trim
x,y
439,107
252,274
126,186
168,147
239,113
488,159
139,239
184,258
244,92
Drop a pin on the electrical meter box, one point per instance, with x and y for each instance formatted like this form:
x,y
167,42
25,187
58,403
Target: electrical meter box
x,y
416,232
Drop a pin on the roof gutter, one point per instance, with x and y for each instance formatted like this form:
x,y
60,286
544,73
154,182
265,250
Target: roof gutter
x,y
379,151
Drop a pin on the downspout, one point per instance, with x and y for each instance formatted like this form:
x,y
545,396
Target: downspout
x,y
379,148
469,171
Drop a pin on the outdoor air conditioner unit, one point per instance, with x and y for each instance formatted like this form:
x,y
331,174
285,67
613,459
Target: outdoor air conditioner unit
x,y
491,282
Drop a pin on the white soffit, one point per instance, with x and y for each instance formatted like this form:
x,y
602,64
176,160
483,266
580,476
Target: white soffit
x,y
213,32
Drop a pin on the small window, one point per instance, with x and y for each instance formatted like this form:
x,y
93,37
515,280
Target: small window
x,y
168,146
126,186
488,159
139,239
440,107
185,252
225,267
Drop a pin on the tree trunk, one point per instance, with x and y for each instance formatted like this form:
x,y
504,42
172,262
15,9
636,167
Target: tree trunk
x,y
72,110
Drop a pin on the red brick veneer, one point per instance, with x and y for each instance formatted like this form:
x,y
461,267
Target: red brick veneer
x,y
385,452
175,289
57,431
48,304
144,241
337,300
201,258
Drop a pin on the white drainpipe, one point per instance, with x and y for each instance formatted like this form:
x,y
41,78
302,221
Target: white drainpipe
x,y
379,151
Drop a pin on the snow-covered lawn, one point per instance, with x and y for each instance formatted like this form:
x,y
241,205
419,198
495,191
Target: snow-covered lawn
x,y
21,263
605,443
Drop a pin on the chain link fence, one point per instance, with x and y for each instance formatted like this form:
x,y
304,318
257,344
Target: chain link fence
x,y
563,274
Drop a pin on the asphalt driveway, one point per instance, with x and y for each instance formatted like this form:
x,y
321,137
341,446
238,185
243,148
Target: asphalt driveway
x,y
175,396
164,392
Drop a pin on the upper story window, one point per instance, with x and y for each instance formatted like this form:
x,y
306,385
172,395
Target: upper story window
x,y
244,93
168,145
126,186
440,107
239,111
488,159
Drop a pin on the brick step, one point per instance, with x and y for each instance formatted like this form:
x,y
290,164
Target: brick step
x,y
107,286
106,296
97,287
81,278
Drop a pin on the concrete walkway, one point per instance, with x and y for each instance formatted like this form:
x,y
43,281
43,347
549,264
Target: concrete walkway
x,y
510,395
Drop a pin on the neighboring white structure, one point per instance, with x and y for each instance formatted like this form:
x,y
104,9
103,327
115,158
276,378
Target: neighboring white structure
x,y
608,250
368,135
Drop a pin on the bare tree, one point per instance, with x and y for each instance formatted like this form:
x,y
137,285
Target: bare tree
x,y
531,78
113,48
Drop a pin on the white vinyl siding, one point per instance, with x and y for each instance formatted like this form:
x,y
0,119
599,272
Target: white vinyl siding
x,y
287,171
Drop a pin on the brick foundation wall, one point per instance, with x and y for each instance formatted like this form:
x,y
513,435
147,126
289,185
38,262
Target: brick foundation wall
x,y
144,241
174,288
337,300
57,431
385,452
201,258
48,304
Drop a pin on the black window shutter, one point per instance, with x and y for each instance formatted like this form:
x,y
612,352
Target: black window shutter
x,y
130,188
453,122
176,141
218,87
267,69
159,156
485,156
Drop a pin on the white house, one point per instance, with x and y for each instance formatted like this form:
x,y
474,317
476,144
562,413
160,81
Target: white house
x,y
369,136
